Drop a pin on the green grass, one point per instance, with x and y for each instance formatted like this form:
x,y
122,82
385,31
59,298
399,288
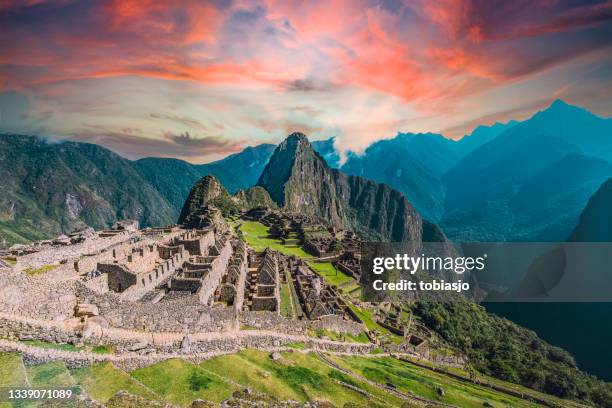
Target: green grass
x,y
361,338
298,345
297,376
12,373
10,261
181,382
329,272
101,381
257,236
55,346
368,320
11,370
286,298
52,374
103,349
39,271
410,378
99,349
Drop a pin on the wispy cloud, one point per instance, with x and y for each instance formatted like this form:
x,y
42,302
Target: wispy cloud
x,y
358,69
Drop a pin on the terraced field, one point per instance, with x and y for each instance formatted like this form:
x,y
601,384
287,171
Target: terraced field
x,y
365,381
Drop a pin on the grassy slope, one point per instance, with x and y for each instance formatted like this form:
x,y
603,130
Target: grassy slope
x,y
297,376
102,381
181,382
410,378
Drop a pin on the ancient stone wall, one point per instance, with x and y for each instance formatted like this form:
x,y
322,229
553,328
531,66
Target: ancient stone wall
x,y
337,324
217,269
183,314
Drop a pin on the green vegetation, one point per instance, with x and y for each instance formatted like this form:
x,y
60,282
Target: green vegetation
x,y
41,270
297,376
12,372
328,271
286,306
366,317
102,381
49,345
361,338
424,383
103,349
181,382
10,261
298,345
99,349
504,350
258,237
53,374
224,202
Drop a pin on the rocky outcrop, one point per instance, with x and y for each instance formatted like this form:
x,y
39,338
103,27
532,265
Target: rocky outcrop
x,y
299,180
207,194
254,197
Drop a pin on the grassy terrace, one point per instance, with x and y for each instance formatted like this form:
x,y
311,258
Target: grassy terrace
x,y
433,386
40,271
298,376
257,236
332,275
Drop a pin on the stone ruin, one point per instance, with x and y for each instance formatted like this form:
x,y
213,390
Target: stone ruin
x,y
317,298
232,288
264,280
349,263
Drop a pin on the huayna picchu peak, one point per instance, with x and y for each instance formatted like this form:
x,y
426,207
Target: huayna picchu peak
x,y
299,180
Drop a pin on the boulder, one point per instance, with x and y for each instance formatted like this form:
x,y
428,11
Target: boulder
x,y
62,240
186,343
87,310
138,346
276,356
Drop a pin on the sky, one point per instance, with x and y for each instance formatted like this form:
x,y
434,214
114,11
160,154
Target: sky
x,y
198,80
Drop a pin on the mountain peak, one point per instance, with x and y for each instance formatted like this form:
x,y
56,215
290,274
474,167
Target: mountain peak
x,y
297,136
559,108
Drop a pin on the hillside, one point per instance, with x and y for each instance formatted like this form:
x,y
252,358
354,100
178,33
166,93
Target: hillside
x,y
596,220
50,188
53,187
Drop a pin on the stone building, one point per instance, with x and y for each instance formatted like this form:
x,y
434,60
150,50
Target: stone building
x,y
201,274
266,295
232,287
140,271
318,299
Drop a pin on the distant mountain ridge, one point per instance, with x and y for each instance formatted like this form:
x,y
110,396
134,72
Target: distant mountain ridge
x,y
496,193
487,186
50,188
